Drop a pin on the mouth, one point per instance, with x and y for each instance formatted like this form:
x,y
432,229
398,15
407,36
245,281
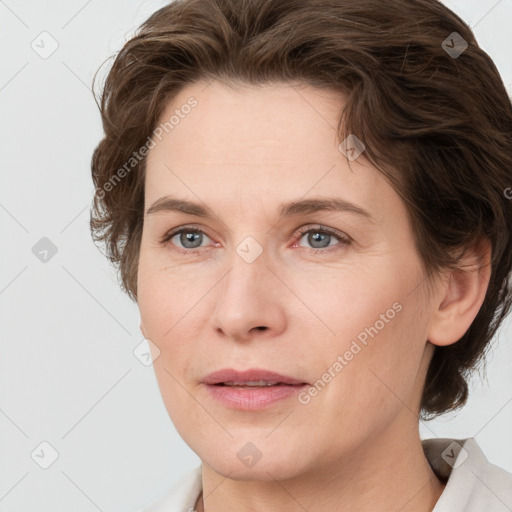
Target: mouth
x,y
251,390
254,377
254,384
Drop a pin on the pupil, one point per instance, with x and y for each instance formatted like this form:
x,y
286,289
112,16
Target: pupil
x,y
318,237
190,237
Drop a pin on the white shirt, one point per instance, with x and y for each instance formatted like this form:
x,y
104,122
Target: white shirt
x,y
474,484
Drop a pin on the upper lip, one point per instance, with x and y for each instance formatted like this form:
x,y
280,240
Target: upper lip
x,y
251,375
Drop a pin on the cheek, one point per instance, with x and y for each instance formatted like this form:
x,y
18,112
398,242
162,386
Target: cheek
x,y
187,416
163,304
375,346
346,303
381,363
166,297
173,305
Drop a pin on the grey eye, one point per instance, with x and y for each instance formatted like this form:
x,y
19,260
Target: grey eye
x,y
189,239
319,239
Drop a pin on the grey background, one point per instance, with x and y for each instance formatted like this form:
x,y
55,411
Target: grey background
x,y
68,374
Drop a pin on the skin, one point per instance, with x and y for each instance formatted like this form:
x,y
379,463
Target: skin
x,y
355,446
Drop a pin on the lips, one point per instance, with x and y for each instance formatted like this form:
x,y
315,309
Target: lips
x,y
254,377
252,390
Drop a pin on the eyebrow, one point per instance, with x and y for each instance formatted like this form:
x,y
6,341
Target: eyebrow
x,y
292,208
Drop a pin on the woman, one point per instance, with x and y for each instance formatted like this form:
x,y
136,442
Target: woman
x,y
307,199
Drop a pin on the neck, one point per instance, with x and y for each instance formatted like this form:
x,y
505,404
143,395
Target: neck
x,y
390,472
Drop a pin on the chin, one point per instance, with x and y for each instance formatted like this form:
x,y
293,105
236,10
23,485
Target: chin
x,y
241,459
262,471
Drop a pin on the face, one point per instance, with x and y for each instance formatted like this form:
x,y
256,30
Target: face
x,y
267,278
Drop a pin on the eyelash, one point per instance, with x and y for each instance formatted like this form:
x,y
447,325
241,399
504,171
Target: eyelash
x,y
344,240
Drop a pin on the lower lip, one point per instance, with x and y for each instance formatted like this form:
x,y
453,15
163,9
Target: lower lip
x,y
253,399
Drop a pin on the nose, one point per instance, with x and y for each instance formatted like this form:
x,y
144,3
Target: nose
x,y
249,301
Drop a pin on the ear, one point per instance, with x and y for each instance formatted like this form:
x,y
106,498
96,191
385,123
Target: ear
x,y
460,296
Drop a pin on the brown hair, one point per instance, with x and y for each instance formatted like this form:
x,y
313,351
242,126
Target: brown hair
x,y
438,125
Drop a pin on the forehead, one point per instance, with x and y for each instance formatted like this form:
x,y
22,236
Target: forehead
x,y
284,120
256,144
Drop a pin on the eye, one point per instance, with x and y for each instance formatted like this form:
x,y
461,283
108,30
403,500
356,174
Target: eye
x,y
320,237
186,239
190,239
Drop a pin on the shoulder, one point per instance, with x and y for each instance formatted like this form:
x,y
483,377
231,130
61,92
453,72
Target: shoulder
x,y
183,494
473,483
